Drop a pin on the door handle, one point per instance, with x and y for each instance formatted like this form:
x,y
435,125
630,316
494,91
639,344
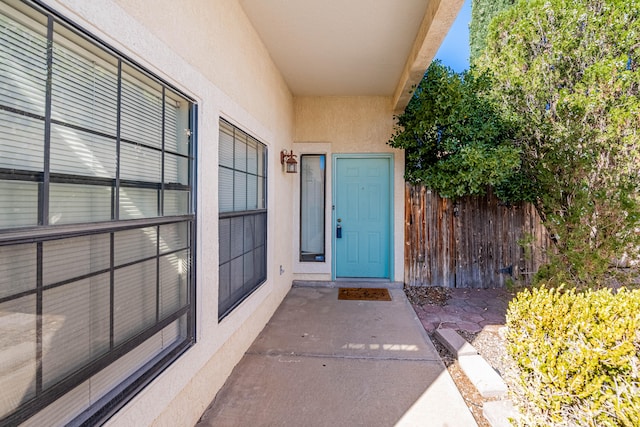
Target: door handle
x,y
339,229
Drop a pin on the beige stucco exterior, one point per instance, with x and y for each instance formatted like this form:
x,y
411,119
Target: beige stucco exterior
x,y
211,51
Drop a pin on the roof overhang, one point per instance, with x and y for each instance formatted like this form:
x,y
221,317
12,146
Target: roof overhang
x,y
352,47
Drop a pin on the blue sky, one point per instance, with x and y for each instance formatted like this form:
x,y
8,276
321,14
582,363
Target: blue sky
x,y
454,51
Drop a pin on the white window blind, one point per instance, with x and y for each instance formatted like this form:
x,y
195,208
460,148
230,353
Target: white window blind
x,y
141,111
84,86
21,142
23,64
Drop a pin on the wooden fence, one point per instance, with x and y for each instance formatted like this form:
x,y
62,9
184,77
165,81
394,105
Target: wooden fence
x,y
474,242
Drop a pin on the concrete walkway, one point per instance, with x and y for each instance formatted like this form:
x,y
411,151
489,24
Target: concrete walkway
x,y
321,361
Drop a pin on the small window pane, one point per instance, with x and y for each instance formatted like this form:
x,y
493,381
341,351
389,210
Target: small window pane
x,y
249,276
176,169
240,153
240,191
21,142
225,190
138,203
252,156
261,229
134,245
224,227
175,332
262,197
248,232
23,60
237,238
17,269
75,326
252,192
173,282
174,237
84,87
139,163
224,288
177,132
80,153
260,263
68,258
237,278
225,148
18,348
72,203
19,205
135,300
141,115
262,158
176,202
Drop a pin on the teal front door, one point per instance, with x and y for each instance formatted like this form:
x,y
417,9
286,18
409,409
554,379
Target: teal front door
x,y
362,216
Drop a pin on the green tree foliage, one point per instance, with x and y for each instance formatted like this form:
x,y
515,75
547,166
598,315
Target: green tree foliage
x,y
482,12
568,73
454,139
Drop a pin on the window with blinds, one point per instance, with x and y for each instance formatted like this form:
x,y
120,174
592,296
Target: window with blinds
x,y
97,222
312,189
243,216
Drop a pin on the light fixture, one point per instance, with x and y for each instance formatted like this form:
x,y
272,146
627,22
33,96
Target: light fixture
x,y
288,161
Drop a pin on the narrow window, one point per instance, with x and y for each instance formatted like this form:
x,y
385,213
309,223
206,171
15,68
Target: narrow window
x,y
312,188
243,216
97,222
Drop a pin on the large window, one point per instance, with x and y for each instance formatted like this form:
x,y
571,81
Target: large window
x,y
97,222
243,216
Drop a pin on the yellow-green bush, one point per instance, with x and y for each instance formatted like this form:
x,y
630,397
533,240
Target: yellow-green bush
x,y
576,356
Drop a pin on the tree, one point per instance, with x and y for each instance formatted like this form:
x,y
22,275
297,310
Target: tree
x,y
567,73
482,12
455,141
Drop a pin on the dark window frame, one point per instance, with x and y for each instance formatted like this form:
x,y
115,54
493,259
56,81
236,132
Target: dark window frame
x,y
256,246
44,232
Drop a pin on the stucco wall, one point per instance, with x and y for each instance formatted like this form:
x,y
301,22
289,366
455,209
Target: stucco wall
x,y
339,125
210,51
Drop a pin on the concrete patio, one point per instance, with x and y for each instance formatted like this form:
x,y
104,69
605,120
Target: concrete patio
x,y
321,361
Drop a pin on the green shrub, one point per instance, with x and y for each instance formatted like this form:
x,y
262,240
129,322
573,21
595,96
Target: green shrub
x,y
576,357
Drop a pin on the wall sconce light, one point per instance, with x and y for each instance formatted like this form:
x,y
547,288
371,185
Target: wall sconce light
x,y
288,161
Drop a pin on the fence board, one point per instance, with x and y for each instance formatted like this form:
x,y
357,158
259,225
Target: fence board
x,y
474,242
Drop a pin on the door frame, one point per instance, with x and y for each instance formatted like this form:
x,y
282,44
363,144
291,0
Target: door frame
x,y
390,226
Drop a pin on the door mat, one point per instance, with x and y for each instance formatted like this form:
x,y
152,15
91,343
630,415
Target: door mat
x,y
364,294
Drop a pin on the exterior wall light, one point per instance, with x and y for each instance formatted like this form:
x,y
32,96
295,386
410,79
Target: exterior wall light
x,y
288,161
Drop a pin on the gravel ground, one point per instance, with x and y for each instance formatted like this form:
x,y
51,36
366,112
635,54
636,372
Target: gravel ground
x,y
421,295
490,344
